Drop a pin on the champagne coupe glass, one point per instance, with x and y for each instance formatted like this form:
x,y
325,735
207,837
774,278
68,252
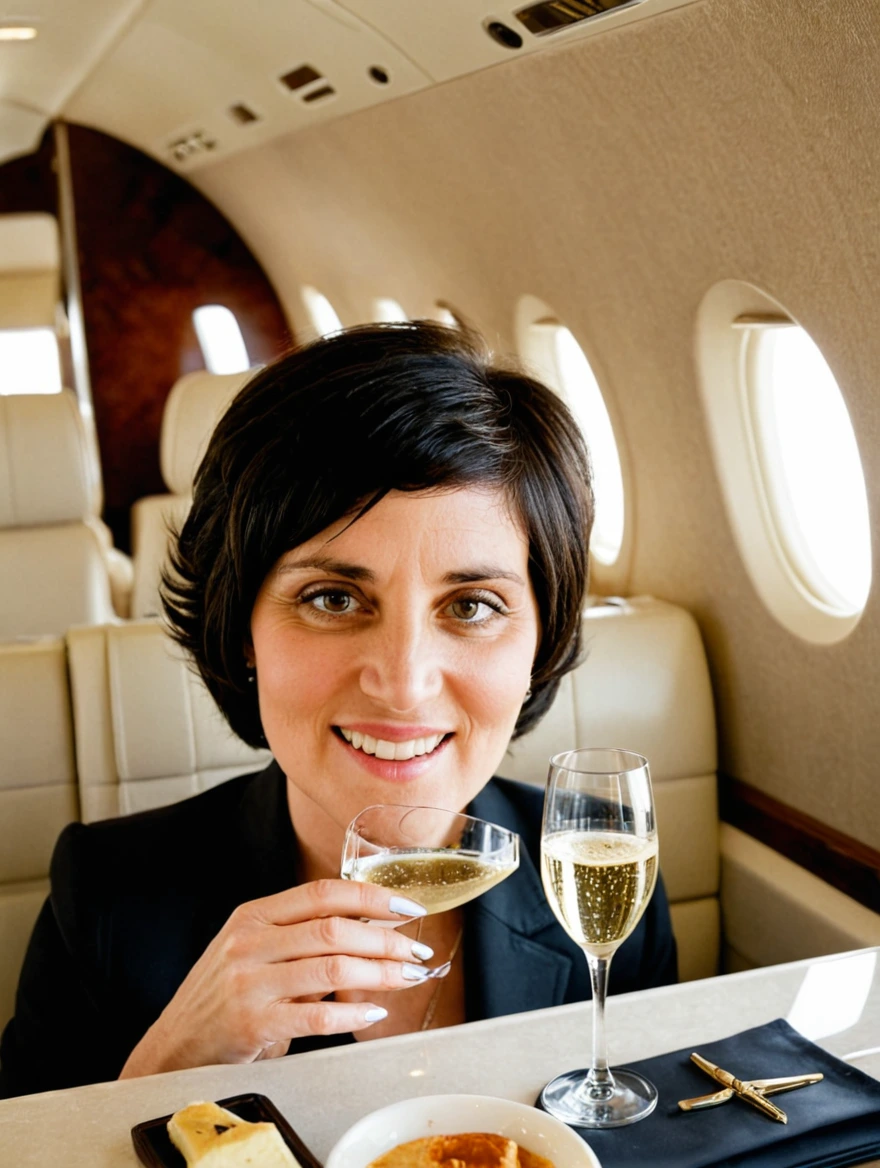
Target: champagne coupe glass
x,y
599,868
441,859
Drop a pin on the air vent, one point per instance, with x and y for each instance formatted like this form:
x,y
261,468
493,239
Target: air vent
x,y
503,35
318,94
243,114
303,75
199,142
554,15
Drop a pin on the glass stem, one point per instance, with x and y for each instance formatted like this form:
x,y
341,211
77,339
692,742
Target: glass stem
x,y
599,1083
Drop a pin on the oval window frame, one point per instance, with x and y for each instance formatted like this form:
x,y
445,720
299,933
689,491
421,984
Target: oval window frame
x,y
316,304
606,577
728,319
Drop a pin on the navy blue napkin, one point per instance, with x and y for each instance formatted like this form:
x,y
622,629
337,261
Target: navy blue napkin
x,y
831,1124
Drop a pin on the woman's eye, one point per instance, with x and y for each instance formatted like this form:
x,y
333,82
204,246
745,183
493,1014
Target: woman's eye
x,y
332,603
472,611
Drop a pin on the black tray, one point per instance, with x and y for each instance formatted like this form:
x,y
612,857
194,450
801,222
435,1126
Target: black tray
x,y
155,1149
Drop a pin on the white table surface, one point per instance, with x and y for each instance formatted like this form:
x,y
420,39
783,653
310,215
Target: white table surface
x,y
834,1000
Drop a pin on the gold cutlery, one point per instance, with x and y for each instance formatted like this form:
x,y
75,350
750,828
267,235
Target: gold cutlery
x,y
753,1091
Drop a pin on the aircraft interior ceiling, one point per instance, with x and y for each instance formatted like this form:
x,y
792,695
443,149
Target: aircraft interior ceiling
x,y
618,180
617,177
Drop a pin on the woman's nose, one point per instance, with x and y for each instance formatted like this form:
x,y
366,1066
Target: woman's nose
x,y
402,669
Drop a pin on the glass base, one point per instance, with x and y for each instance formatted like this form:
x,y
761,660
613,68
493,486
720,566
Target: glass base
x,y
566,1098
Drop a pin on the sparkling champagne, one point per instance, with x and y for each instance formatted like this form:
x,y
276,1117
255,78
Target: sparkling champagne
x,y
598,884
439,881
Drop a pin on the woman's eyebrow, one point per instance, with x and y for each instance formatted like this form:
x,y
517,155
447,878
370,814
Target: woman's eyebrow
x,y
328,564
482,572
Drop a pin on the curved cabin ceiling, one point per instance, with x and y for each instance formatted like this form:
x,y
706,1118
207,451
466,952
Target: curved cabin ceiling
x,y
37,76
190,82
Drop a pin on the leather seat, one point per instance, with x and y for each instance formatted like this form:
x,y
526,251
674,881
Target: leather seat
x,y
644,686
38,793
53,566
194,406
147,731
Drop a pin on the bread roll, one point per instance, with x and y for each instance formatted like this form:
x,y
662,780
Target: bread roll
x,y
208,1136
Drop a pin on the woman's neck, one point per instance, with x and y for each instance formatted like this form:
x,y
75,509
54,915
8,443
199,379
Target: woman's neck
x,y
319,837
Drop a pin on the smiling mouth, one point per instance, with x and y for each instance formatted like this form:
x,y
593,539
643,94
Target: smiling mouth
x,y
391,751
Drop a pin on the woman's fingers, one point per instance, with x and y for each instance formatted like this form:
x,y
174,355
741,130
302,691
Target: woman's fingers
x,y
326,935
332,898
339,971
296,1018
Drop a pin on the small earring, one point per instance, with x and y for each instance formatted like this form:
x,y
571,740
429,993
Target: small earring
x,y
252,675
528,695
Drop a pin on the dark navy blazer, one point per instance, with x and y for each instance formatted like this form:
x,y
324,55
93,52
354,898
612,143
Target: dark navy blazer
x,y
135,901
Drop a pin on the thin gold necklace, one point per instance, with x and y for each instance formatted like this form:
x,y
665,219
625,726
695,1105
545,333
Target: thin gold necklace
x,y
435,996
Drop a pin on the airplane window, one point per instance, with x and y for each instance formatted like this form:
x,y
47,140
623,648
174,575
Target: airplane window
x,y
29,361
810,465
321,312
387,311
561,361
220,339
443,314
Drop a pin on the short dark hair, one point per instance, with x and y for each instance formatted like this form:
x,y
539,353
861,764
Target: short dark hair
x,y
328,430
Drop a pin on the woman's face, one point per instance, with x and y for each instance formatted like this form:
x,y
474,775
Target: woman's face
x,y
393,654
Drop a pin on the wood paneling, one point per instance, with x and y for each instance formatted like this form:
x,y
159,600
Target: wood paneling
x,y
28,184
151,249
845,863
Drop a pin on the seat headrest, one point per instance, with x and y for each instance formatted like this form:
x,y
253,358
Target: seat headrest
x,y
30,266
46,470
195,405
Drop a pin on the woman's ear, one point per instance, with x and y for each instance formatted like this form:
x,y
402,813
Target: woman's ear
x,y
249,656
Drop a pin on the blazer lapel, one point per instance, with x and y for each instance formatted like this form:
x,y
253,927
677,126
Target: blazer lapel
x,y
512,939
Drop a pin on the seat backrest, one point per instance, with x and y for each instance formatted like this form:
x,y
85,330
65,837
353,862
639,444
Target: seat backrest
x,y
644,685
147,731
52,567
38,793
194,407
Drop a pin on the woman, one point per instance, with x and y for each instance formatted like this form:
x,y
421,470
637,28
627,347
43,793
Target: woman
x,y
382,578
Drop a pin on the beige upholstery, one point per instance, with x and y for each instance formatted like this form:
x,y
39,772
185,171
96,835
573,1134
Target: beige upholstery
x,y
147,732
775,911
644,686
152,521
38,794
53,571
30,270
195,405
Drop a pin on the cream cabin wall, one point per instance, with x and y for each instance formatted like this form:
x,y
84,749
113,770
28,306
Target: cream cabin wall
x,y
619,179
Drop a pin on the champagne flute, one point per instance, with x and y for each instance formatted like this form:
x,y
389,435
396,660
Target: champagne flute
x,y
442,859
599,868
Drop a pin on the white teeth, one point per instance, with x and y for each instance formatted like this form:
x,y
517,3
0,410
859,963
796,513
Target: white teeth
x,y
397,751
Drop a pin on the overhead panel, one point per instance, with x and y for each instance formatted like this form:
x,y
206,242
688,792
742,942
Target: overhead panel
x,y
39,74
448,38
20,130
191,82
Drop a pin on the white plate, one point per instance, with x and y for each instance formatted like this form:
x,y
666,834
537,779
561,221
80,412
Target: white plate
x,y
447,1115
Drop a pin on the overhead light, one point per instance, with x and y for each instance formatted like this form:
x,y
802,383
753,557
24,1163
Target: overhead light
x,y
17,32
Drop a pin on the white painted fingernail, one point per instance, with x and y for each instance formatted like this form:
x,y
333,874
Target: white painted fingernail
x,y
423,952
375,1014
414,972
406,908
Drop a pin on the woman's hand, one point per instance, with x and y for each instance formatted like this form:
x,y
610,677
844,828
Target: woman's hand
x,y
262,980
